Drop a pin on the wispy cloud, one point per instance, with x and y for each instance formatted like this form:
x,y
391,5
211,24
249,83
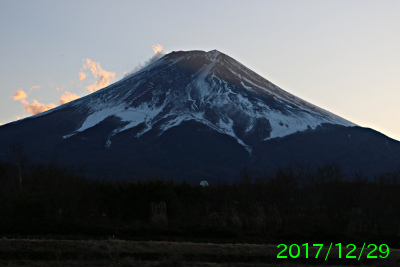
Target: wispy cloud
x,y
67,97
158,49
20,94
158,53
103,79
33,108
97,71
82,76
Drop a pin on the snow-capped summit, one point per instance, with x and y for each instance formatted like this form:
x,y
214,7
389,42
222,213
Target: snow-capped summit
x,y
208,87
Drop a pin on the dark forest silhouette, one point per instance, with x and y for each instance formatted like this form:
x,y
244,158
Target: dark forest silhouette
x,y
297,203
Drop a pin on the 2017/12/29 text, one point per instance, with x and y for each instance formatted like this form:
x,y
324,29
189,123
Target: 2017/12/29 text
x,y
295,250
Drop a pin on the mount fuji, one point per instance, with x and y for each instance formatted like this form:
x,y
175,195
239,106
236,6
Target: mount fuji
x,y
196,115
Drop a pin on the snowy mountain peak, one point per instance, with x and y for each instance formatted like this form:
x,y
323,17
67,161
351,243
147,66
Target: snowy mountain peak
x,y
212,55
209,88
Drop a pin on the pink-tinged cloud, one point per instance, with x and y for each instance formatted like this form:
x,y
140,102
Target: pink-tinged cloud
x,y
20,94
35,107
96,70
82,76
158,49
67,97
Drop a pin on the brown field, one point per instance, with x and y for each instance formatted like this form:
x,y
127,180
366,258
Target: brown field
x,y
112,252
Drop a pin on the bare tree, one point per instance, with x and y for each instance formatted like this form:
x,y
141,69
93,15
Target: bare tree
x,y
17,156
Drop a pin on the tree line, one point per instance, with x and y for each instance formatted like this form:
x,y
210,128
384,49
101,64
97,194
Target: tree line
x,y
297,203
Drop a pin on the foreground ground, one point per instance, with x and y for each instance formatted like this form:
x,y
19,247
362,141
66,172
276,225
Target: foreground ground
x,y
111,252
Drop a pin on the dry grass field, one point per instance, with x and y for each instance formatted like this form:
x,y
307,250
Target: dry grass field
x,y
35,252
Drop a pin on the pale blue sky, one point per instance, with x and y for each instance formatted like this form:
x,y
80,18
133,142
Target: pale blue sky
x,y
343,56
